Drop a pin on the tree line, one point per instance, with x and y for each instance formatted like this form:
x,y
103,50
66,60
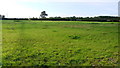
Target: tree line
x,y
73,18
99,18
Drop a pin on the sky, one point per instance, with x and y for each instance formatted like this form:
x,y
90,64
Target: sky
x,y
62,8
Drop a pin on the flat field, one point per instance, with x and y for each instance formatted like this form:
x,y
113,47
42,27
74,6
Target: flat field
x,y
59,43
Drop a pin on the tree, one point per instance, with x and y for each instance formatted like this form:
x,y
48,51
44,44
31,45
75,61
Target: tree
x,y
43,14
2,16
73,18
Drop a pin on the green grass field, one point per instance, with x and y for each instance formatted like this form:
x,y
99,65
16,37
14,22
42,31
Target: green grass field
x,y
59,43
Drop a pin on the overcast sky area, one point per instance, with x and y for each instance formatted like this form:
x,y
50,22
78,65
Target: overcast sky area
x,y
62,8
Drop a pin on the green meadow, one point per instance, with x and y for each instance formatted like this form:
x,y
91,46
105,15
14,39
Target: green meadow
x,y
59,43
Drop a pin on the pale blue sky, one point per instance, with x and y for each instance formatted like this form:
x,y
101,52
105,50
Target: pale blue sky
x,y
30,8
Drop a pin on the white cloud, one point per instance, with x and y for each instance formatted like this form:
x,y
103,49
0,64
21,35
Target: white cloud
x,y
10,8
68,0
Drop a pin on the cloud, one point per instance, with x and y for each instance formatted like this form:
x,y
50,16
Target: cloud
x,y
13,8
68,0
10,8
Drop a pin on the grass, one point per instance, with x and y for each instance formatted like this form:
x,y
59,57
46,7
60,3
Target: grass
x,y
59,43
0,43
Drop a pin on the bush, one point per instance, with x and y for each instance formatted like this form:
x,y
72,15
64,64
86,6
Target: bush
x,y
74,37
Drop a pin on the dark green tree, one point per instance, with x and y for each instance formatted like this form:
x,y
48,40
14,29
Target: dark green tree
x,y
2,16
43,14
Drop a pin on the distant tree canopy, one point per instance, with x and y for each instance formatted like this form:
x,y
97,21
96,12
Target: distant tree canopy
x,y
73,18
43,14
2,16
